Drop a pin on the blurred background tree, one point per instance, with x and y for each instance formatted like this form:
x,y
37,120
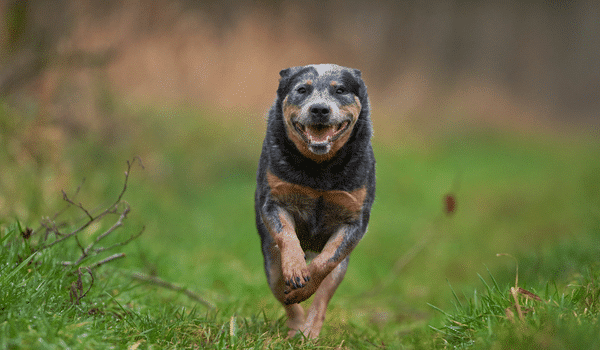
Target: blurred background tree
x,y
513,60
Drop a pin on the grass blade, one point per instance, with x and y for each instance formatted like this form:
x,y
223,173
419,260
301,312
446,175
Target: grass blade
x,y
440,310
494,280
9,234
5,278
454,293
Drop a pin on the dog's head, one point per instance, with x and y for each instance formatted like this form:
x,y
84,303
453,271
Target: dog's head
x,y
321,105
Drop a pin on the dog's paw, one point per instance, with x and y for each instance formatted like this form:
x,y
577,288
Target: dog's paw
x,y
296,282
296,279
294,296
295,272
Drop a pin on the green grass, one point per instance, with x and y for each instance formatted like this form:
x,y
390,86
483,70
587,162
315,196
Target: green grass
x,y
39,312
512,317
536,197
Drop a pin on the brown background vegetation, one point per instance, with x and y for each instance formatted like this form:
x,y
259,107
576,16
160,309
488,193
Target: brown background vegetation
x,y
516,63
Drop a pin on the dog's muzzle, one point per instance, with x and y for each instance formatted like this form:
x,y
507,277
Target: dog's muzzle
x,y
320,136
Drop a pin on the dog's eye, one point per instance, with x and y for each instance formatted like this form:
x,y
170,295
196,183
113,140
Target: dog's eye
x,y
301,90
340,91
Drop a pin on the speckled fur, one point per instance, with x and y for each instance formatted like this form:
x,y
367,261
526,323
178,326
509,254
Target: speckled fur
x,y
308,201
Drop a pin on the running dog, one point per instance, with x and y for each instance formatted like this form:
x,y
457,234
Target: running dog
x,y
315,187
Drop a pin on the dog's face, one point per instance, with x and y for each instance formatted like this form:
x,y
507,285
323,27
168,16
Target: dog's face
x,y
321,105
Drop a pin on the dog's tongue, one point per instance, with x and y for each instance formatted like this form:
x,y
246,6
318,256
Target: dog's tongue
x,y
319,133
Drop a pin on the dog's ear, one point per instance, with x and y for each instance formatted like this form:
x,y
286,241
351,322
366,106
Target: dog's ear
x,y
287,75
284,73
353,81
288,72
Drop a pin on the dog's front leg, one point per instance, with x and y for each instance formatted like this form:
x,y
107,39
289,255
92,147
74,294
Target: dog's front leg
x,y
281,227
335,251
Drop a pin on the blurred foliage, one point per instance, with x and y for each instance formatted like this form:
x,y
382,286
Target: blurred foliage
x,y
530,195
534,194
538,53
16,22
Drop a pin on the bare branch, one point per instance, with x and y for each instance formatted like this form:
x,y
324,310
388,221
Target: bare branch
x,y
104,261
80,206
79,244
92,249
103,249
67,236
92,252
77,292
129,165
164,284
117,224
50,227
67,206
111,209
86,251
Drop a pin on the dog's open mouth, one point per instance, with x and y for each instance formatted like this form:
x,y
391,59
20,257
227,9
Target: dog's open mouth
x,y
319,136
318,133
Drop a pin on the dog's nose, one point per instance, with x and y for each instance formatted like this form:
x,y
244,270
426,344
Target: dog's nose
x,y
320,112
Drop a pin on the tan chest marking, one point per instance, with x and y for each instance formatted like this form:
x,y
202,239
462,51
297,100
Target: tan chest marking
x,y
351,201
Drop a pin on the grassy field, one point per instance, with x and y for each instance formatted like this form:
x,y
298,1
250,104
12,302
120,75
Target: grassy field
x,y
421,278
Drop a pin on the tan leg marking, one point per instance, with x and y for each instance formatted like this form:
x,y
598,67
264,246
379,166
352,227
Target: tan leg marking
x,y
294,312
293,266
316,314
319,268
296,318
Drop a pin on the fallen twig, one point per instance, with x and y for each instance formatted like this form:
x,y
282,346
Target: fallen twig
x,y
119,207
515,291
77,292
111,209
104,261
103,249
164,284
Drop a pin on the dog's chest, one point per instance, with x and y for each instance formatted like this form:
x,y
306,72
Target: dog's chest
x,y
317,214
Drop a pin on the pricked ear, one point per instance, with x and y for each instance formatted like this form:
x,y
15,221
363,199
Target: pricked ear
x,y
287,75
353,81
285,72
288,72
